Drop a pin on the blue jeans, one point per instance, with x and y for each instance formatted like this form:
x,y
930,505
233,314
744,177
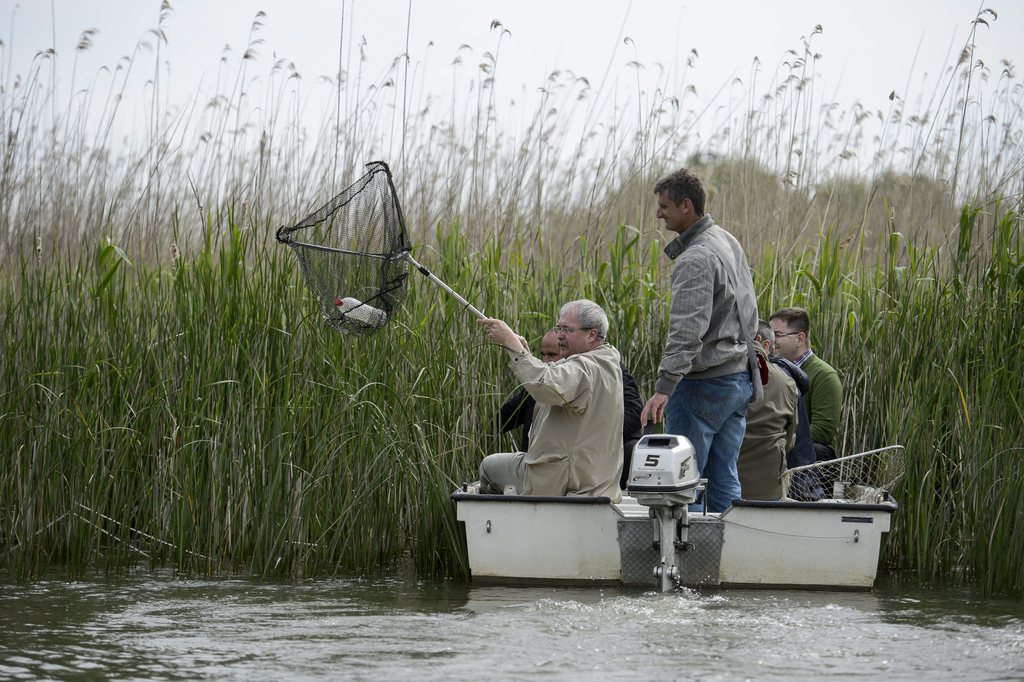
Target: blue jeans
x,y
712,414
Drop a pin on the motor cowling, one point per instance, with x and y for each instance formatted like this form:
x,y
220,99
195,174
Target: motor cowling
x,y
663,471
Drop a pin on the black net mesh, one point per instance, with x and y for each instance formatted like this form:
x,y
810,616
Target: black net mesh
x,y
351,253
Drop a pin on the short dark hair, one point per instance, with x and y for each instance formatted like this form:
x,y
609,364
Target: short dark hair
x,y
683,184
795,318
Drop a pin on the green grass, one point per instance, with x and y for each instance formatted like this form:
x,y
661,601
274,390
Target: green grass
x,y
168,396
200,416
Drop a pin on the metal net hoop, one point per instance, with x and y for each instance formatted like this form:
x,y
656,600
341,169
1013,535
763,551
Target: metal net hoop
x,y
351,252
863,477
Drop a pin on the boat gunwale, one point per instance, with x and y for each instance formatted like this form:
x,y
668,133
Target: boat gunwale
x,y
823,505
887,506
460,496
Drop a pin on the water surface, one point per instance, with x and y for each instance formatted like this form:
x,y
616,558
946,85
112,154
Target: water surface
x,y
157,627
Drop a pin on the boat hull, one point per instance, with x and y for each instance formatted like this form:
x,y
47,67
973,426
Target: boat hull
x,y
541,538
803,544
830,544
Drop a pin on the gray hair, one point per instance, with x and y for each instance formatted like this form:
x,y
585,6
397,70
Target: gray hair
x,y
589,315
765,331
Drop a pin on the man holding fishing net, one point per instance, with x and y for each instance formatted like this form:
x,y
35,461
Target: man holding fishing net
x,y
517,411
576,439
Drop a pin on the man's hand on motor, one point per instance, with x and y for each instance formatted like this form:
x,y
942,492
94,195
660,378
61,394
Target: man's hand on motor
x,y
654,410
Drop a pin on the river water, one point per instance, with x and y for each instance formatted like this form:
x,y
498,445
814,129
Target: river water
x,y
157,627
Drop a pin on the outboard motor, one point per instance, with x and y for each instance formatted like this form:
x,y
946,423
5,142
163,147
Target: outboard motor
x,y
663,476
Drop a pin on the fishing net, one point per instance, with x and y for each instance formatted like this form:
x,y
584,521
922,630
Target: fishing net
x,y
864,477
355,254
349,252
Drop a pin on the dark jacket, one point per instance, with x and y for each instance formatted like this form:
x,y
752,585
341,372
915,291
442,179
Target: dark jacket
x,y
517,411
803,451
632,406
807,486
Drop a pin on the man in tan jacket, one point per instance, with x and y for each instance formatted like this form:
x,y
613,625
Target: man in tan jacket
x,y
576,437
771,428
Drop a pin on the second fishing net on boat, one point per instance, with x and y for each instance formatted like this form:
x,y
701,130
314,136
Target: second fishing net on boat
x,y
865,477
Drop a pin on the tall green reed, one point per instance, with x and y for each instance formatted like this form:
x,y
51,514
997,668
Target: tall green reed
x,y
925,348
169,397
190,417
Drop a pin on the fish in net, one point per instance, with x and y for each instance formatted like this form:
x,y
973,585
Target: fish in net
x,y
355,254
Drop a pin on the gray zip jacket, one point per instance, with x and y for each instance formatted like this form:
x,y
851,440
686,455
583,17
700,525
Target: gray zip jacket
x,y
713,316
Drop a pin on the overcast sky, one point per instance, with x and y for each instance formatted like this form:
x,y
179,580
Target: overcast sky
x,y
868,48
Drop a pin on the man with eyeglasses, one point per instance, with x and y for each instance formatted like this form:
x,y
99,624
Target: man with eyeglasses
x,y
518,410
824,395
804,486
576,439
709,369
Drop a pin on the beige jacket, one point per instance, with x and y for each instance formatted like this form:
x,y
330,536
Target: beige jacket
x,y
576,437
771,432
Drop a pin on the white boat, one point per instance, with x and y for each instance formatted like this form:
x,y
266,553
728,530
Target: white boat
x,y
831,543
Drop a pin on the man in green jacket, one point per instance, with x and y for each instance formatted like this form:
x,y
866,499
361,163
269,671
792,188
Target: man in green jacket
x,y
824,398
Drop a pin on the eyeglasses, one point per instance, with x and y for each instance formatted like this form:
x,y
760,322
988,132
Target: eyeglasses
x,y
559,330
781,334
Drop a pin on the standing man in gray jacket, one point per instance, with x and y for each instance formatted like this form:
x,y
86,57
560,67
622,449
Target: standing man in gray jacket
x,y
709,369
